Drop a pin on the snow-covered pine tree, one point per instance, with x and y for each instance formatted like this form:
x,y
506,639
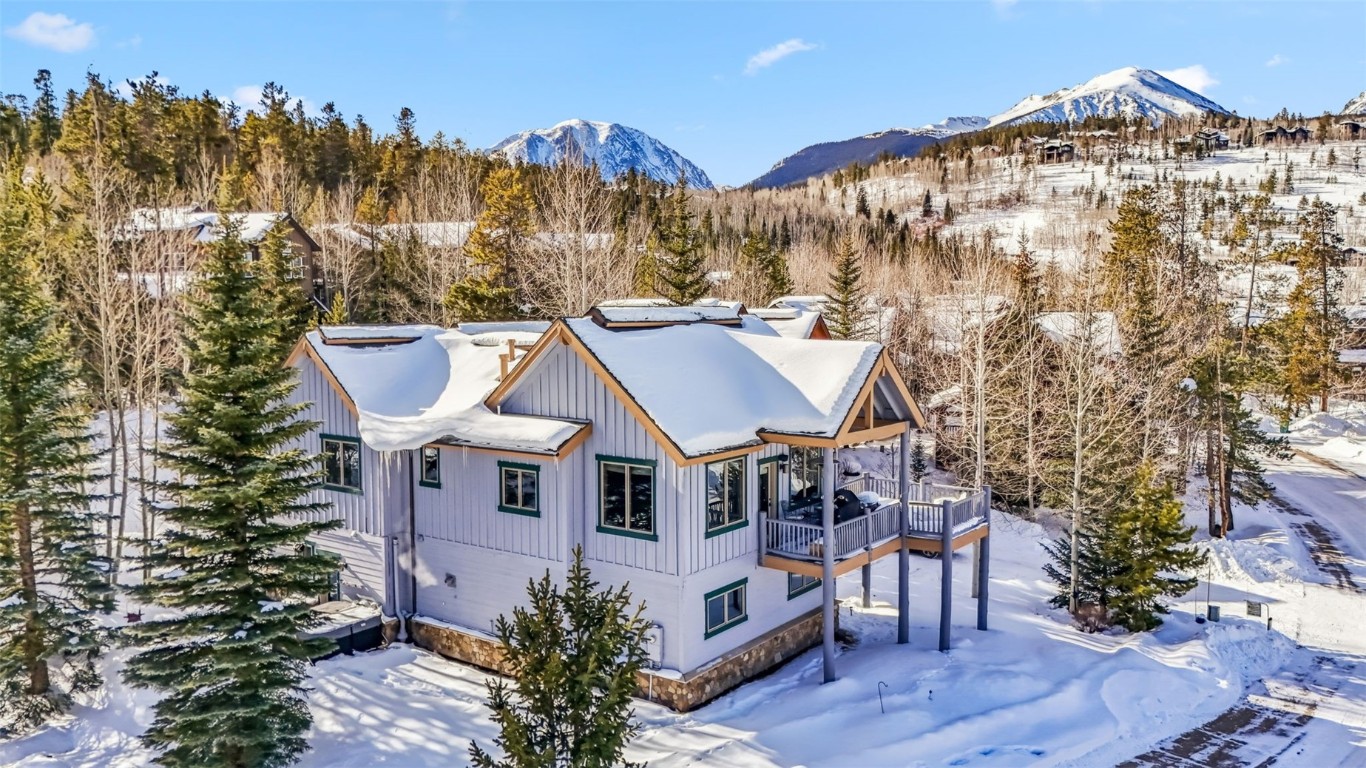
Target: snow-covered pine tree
x,y
679,260
283,292
233,568
572,658
919,465
846,313
495,246
53,583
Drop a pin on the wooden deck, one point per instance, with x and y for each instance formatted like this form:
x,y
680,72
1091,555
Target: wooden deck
x,y
798,547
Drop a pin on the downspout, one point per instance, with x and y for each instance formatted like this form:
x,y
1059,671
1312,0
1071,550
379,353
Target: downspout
x,y
412,545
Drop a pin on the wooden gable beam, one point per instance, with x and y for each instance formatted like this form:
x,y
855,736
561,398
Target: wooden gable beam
x,y
304,349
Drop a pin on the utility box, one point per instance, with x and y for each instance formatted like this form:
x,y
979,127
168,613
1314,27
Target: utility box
x,y
1214,613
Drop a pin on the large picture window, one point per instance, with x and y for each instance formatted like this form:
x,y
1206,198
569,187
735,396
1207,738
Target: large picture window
x,y
726,496
804,474
341,463
431,467
797,584
626,497
727,607
519,489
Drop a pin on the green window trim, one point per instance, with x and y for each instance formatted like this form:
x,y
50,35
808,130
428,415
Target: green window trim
x,y
710,632
743,520
793,594
359,487
522,469
422,467
628,532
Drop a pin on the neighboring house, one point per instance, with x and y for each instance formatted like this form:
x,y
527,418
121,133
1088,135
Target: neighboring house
x,y
185,232
690,451
1351,129
1054,151
1283,135
794,323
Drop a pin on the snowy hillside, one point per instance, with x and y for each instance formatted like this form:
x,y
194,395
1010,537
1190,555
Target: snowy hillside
x,y
1356,106
614,147
824,158
1129,92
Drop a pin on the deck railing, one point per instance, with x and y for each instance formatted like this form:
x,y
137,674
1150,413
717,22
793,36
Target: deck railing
x,y
802,540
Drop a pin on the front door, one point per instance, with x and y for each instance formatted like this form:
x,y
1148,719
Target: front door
x,y
768,489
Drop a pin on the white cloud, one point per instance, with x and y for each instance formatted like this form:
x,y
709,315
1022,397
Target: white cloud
x,y
53,30
770,56
248,97
133,42
1277,60
1195,77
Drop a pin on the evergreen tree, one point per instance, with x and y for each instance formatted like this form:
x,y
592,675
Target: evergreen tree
x,y
861,204
47,125
572,658
926,206
230,661
495,248
919,466
283,290
52,582
679,258
1151,540
846,311
1130,557
1311,328
336,311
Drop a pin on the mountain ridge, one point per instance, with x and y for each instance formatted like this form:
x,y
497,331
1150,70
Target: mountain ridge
x,y
615,148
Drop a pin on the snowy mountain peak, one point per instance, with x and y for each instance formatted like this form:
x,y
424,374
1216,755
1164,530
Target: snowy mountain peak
x,y
1356,106
1129,92
614,147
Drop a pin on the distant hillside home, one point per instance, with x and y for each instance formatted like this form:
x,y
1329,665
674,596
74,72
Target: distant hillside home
x,y
1282,135
185,232
1054,151
692,452
1209,140
1351,129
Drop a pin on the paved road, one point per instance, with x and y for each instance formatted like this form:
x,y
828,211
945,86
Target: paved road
x,y
1314,714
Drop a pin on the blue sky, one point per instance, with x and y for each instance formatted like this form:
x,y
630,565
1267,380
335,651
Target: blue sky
x,y
732,86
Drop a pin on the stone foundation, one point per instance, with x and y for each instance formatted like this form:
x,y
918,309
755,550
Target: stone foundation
x,y
751,660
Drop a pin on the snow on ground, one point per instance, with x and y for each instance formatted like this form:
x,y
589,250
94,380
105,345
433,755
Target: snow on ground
x,y
1031,690
1339,435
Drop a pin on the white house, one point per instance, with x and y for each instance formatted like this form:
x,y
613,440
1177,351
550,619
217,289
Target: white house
x,y
690,451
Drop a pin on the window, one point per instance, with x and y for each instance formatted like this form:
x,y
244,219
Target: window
x,y
431,467
341,463
726,607
726,496
333,576
626,497
520,489
798,584
296,263
804,475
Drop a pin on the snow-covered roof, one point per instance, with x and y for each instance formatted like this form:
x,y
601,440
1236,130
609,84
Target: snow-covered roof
x,y
1068,327
724,385
789,322
202,225
431,388
816,302
667,314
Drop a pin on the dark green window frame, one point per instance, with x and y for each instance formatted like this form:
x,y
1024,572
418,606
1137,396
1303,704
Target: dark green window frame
x,y
630,467
430,474
730,519
341,443
728,621
804,584
522,471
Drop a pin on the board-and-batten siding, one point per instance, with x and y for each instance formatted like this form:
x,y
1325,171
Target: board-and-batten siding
x,y
464,510
562,386
365,563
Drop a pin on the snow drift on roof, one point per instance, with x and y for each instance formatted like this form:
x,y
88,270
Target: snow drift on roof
x,y
691,314
722,386
789,322
432,389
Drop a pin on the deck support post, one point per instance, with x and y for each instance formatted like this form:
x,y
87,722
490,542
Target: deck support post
x,y
903,555
984,565
867,575
945,573
828,563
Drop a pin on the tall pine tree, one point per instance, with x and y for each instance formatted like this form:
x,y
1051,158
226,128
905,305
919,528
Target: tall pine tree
x,y
1311,328
846,314
573,658
230,662
281,283
494,248
52,582
679,259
